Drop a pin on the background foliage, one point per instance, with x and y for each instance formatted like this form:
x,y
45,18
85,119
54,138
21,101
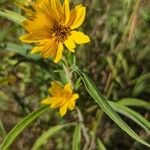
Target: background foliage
x,y
117,59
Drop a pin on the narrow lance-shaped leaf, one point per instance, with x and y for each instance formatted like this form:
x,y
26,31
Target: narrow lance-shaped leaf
x,y
134,102
76,138
21,126
2,130
102,102
12,16
100,145
133,115
141,84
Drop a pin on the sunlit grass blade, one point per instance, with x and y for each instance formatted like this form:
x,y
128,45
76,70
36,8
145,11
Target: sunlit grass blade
x,y
102,102
12,16
47,134
133,115
134,102
21,126
2,130
100,145
76,138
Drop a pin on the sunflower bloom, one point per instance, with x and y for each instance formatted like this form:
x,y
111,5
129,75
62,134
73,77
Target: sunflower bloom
x,y
62,97
52,26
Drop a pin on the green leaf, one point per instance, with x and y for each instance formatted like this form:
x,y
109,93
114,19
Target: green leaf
x,y
20,49
2,130
21,126
134,102
47,134
76,138
23,50
102,102
100,145
141,85
3,34
133,115
12,16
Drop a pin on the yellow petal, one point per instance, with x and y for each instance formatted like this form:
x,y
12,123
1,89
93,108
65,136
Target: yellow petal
x,y
70,44
40,22
35,49
54,7
39,47
56,88
79,37
59,9
57,102
55,4
71,105
49,48
72,17
78,16
75,97
34,37
39,5
54,14
47,100
49,9
44,20
28,38
63,110
72,101
66,11
59,53
68,88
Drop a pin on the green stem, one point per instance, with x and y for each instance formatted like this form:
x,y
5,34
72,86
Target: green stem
x,y
109,80
68,75
79,113
110,90
85,134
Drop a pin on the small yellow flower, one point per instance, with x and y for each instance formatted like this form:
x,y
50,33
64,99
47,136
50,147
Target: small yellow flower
x,y
52,26
62,97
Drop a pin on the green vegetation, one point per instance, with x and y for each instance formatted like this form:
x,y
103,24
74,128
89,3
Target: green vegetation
x,y
110,73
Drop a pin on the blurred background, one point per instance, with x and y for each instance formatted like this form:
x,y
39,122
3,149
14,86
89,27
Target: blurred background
x,y
117,59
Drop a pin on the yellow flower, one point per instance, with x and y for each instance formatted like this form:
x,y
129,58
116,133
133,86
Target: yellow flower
x,y
53,26
62,97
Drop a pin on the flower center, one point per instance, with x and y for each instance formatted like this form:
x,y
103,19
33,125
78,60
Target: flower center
x,y
60,32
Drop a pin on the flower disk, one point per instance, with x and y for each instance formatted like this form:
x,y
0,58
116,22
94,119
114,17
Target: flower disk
x,y
52,26
62,97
